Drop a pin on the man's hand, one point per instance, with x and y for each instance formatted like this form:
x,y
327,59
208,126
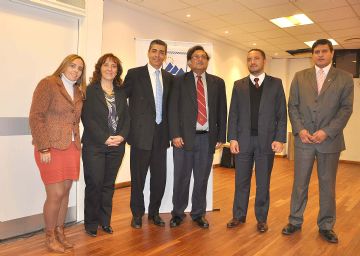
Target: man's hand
x,y
319,136
277,147
234,147
305,136
178,142
218,145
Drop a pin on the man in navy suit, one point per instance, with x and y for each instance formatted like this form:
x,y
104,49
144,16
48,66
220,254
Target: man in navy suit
x,y
197,121
148,88
256,130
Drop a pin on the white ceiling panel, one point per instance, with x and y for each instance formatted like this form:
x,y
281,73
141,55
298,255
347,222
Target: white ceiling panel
x,y
253,4
272,34
210,24
332,14
195,14
218,8
278,11
315,5
241,18
282,40
342,24
306,29
163,6
259,26
194,2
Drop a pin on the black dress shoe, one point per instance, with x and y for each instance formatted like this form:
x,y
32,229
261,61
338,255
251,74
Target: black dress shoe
x,y
107,229
92,233
202,222
157,220
262,227
289,229
136,222
329,235
175,221
234,222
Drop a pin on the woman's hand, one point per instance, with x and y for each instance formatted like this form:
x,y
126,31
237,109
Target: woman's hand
x,y
45,157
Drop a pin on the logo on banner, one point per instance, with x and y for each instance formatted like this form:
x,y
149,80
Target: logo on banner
x,y
172,65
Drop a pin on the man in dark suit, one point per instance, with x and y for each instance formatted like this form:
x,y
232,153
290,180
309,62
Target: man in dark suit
x,y
197,120
147,88
320,105
256,130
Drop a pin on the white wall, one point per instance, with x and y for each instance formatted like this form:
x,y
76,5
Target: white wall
x,y
122,24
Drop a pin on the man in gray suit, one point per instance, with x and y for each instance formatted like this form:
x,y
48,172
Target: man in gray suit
x,y
256,130
320,105
197,122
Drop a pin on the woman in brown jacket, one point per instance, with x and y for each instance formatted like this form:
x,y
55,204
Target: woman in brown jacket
x,y
54,122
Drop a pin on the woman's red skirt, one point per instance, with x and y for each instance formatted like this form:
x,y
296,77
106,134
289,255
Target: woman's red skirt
x,y
64,165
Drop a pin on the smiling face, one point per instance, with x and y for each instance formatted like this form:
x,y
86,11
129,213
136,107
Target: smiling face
x,y
108,70
255,63
322,55
157,55
74,70
199,62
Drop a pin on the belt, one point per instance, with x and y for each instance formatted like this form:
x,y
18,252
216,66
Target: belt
x,y
201,132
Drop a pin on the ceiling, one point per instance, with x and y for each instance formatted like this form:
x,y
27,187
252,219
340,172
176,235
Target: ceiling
x,y
245,23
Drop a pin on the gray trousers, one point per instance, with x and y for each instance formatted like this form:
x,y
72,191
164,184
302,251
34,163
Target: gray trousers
x,y
327,164
197,161
244,168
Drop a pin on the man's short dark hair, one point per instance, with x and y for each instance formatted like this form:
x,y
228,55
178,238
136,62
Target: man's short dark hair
x,y
258,50
193,49
159,42
322,42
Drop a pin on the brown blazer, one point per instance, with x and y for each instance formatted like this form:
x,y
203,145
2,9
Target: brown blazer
x,y
54,115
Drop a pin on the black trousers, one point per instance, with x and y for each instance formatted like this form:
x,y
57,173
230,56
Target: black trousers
x,y
197,161
244,163
140,161
101,165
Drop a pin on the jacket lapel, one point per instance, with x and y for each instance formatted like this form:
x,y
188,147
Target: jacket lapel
x,y
265,87
100,94
146,84
63,90
312,79
329,78
210,93
192,88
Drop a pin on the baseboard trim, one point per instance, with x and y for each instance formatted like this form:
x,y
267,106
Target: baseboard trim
x,y
123,184
281,156
349,162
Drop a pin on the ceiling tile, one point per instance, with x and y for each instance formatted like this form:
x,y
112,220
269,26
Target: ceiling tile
x,y
282,40
272,34
332,14
356,8
258,26
345,32
292,46
195,2
353,1
341,24
312,37
195,13
245,17
243,37
163,6
315,5
223,7
231,30
252,4
278,11
210,24
305,29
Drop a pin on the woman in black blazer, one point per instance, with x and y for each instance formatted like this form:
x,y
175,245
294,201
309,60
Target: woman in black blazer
x,y
106,124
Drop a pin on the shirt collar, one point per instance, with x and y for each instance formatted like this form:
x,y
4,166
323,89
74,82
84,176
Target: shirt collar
x,y
326,69
202,76
152,69
261,78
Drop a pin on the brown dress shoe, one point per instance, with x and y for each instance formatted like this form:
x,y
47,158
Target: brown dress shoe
x,y
60,236
262,227
202,222
52,243
234,222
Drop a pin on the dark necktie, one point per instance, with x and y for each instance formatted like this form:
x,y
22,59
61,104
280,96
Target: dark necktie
x,y
201,115
256,80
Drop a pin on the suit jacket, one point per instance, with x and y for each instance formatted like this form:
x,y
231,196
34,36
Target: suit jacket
x,y
138,88
272,116
329,111
95,115
54,116
183,110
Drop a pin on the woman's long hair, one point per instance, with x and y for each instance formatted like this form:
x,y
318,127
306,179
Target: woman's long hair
x,y
81,82
96,78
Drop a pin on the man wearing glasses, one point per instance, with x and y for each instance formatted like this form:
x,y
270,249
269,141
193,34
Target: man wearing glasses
x,y
197,122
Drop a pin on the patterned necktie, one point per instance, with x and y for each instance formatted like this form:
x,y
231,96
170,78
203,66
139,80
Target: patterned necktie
x,y
158,98
256,80
320,78
201,115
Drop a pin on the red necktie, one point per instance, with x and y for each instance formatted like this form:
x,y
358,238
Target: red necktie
x,y
256,80
201,115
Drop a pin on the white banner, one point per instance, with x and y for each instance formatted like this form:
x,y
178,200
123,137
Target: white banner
x,y
176,64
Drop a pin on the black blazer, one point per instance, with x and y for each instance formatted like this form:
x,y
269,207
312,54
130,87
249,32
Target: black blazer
x,y
138,89
95,115
183,109
272,114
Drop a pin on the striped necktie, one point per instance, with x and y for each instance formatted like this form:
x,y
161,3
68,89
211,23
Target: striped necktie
x,y
158,98
201,115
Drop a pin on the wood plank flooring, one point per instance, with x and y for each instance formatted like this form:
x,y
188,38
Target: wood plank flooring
x,y
190,240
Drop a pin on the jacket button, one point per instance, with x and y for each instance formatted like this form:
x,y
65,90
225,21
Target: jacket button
x,y
74,123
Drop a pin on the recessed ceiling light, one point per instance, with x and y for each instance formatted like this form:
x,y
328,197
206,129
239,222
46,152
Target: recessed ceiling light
x,y
276,54
254,44
188,15
310,43
226,32
291,21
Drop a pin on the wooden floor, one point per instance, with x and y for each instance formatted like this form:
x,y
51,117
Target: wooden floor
x,y
188,239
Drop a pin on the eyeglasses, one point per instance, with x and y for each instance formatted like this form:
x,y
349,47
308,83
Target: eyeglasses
x,y
197,57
